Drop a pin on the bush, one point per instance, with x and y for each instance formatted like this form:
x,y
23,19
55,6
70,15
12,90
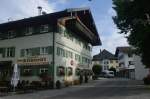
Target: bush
x,y
97,69
147,80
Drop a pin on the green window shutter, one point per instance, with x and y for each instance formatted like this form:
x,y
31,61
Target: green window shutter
x,y
3,52
22,53
12,52
58,51
63,53
50,50
35,51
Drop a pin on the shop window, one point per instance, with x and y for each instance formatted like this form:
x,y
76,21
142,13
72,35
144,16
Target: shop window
x,y
60,71
43,70
27,72
77,71
69,71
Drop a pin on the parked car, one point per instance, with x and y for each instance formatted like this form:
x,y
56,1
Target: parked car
x,y
109,74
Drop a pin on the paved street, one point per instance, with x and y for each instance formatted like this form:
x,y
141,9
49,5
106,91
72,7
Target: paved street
x,y
100,89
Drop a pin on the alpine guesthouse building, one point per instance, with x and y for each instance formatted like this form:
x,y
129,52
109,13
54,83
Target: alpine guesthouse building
x,y
53,47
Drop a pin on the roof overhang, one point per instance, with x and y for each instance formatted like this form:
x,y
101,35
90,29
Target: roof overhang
x,y
79,28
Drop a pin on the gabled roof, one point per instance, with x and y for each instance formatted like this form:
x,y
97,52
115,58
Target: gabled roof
x,y
123,49
82,14
104,55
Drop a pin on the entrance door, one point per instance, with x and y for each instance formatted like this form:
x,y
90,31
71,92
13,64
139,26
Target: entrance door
x,y
5,70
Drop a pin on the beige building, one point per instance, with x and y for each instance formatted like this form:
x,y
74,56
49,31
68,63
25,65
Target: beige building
x,y
106,60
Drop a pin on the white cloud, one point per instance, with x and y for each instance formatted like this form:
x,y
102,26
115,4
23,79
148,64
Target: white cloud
x,y
111,42
109,33
16,9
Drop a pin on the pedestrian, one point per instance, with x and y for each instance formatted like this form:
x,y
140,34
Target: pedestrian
x,y
81,78
86,78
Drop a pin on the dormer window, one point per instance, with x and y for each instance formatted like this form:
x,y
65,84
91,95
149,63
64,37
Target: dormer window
x,y
44,28
29,31
11,34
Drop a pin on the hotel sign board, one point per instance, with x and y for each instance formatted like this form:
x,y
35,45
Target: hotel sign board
x,y
33,61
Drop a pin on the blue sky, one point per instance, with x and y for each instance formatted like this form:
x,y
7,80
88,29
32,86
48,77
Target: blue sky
x,y
101,9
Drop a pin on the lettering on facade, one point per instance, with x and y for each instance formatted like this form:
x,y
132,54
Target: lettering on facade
x,y
33,61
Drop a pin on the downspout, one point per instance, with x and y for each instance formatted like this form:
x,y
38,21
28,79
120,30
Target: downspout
x,y
53,57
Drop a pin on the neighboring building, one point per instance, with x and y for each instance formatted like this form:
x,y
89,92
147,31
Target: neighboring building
x,y
106,60
130,65
126,62
56,45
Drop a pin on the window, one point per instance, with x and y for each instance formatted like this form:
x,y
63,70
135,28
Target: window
x,y
116,61
27,72
43,70
28,52
44,28
78,57
121,57
8,52
28,31
64,53
131,63
45,50
130,55
2,51
22,52
69,71
106,62
106,67
11,34
77,71
111,61
61,71
36,51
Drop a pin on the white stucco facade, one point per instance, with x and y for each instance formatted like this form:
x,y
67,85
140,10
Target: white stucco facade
x,y
140,70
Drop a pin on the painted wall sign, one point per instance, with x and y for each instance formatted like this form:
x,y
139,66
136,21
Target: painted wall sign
x,y
33,61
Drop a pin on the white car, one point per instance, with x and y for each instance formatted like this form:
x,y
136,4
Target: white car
x,y
109,74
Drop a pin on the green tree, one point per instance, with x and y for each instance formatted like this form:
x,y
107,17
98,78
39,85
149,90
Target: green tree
x,y
97,69
133,20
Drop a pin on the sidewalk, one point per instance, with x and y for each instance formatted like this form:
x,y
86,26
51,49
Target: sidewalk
x,y
49,93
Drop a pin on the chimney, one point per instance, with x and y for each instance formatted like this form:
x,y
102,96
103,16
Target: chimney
x,y
100,50
39,10
43,13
